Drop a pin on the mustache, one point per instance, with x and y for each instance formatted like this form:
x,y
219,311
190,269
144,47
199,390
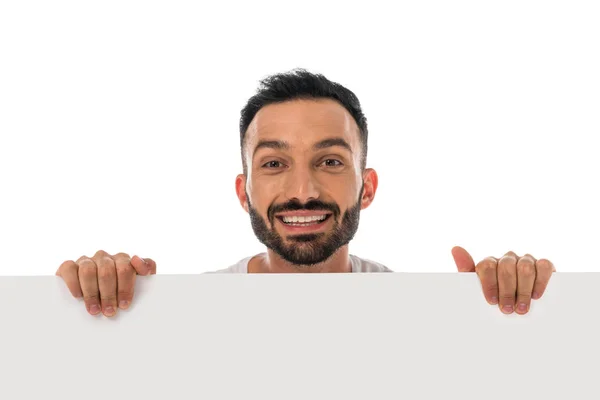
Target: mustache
x,y
295,205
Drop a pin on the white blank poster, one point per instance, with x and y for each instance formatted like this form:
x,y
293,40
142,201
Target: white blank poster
x,y
321,336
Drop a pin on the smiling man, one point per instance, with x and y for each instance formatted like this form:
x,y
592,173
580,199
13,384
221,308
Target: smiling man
x,y
304,183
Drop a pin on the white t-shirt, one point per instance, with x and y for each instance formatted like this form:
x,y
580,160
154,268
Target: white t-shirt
x,y
358,265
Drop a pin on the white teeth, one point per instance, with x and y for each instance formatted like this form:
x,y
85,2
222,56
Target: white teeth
x,y
304,220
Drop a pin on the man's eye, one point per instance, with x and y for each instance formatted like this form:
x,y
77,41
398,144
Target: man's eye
x,y
332,163
272,164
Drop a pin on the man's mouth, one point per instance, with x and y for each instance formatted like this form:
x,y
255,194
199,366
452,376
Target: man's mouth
x,y
301,219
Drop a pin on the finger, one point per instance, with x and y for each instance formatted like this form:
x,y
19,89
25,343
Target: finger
x,y
463,260
151,265
544,270
486,271
507,283
69,271
512,254
525,280
107,283
143,266
88,280
125,280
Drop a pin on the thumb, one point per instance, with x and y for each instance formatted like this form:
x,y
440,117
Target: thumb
x,y
143,266
462,258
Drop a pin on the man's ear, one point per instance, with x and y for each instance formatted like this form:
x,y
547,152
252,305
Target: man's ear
x,y
371,181
240,189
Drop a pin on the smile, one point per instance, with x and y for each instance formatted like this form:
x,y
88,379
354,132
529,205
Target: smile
x,y
312,221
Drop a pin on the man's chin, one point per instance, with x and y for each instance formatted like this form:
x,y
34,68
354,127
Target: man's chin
x,y
304,254
305,262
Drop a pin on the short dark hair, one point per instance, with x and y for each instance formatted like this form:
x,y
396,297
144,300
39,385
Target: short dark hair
x,y
301,84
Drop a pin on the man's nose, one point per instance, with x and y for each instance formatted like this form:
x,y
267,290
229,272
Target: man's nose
x,y
302,185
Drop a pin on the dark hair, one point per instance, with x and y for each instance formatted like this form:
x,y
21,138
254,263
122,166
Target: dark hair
x,y
301,84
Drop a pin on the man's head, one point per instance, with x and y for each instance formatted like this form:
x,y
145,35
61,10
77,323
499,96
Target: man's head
x,y
304,146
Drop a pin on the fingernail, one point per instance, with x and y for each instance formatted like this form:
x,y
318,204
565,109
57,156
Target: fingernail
x,y
123,304
94,309
522,307
507,309
494,300
144,261
535,295
109,310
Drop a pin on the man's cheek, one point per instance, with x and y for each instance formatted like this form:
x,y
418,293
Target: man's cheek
x,y
272,187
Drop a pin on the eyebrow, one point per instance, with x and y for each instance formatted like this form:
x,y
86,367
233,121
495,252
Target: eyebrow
x,y
323,144
281,145
271,144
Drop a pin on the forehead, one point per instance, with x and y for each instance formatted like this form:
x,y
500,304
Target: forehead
x,y
302,123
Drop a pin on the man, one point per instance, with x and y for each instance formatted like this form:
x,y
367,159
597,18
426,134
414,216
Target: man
x,y
303,143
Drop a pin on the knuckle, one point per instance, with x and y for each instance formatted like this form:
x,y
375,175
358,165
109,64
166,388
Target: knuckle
x,y
544,264
526,261
505,272
125,294
105,262
84,260
527,273
526,269
122,255
101,254
87,270
108,298
90,299
67,264
506,297
486,264
524,296
124,269
492,286
508,259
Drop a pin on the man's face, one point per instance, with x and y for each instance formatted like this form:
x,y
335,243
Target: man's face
x,y
304,185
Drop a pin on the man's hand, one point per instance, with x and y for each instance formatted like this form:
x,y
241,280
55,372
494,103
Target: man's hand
x,y
104,280
512,279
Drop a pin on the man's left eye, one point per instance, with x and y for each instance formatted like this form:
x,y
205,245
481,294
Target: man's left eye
x,y
331,162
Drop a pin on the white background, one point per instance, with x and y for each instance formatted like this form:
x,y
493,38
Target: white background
x,y
119,126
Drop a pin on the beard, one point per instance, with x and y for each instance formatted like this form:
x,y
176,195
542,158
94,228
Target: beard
x,y
312,248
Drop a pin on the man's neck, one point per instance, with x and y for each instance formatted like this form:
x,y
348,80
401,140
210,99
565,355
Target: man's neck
x,y
271,262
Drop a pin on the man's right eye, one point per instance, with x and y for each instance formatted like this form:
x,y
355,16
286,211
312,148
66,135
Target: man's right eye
x,y
272,164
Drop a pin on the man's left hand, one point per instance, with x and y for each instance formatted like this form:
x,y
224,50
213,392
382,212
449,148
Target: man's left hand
x,y
510,281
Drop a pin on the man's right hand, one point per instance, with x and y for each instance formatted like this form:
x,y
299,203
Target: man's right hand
x,y
104,280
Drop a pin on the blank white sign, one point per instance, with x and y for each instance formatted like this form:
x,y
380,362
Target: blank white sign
x,y
292,336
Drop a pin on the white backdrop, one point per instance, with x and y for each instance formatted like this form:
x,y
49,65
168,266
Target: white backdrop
x,y
119,126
